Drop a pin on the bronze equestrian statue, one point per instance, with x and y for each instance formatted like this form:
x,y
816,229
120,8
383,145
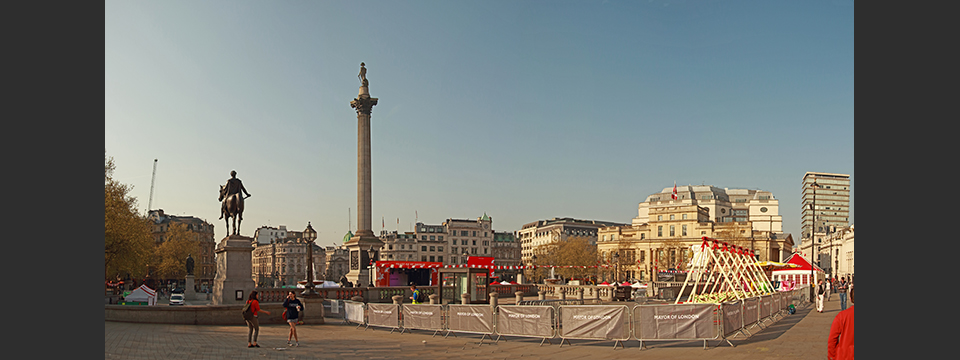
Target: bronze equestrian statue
x,y
232,202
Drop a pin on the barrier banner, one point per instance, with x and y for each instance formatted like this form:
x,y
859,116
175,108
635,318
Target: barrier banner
x,y
766,306
352,311
387,315
594,322
732,313
424,317
684,321
751,311
536,321
470,318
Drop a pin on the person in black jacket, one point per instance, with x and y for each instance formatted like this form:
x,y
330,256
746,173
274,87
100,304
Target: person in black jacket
x,y
293,306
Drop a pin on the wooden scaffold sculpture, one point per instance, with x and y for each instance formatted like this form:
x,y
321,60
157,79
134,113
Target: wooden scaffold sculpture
x,y
722,272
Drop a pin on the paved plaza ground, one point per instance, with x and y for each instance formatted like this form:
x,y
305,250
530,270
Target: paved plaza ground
x,y
799,336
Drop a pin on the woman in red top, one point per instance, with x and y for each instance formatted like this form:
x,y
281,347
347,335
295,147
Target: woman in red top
x,y
840,341
253,324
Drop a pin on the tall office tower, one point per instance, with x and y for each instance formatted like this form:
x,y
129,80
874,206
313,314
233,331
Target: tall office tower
x,y
832,198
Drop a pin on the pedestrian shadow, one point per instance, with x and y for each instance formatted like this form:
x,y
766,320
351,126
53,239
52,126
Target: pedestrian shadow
x,y
776,329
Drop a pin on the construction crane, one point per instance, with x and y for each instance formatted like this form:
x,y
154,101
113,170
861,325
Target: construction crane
x,y
152,180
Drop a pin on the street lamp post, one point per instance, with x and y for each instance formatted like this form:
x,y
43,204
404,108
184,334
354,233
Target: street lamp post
x,y
813,241
535,270
616,267
370,255
309,235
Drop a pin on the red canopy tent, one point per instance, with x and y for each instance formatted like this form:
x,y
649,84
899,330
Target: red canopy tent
x,y
800,276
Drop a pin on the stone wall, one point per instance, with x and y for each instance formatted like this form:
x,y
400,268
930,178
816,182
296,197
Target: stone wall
x,y
207,314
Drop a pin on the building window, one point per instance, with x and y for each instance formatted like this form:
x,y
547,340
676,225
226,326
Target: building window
x,y
464,233
440,237
474,243
433,248
659,231
643,236
440,248
432,258
432,237
659,217
423,258
671,230
463,242
684,216
453,250
423,237
671,216
423,248
439,258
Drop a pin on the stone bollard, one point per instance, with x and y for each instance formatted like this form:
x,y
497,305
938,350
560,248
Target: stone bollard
x,y
541,295
464,298
397,299
434,299
579,293
313,310
563,294
519,295
494,299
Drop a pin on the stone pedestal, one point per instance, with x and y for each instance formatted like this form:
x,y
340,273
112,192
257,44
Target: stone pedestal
x,y
358,247
313,310
188,292
234,269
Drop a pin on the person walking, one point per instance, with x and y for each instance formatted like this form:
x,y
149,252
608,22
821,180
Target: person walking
x,y
829,284
842,290
253,325
821,291
293,306
840,340
416,294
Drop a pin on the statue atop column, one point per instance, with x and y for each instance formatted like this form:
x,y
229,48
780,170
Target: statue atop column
x,y
363,75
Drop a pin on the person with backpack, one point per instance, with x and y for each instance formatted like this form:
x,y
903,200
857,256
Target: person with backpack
x,y
250,312
417,297
293,307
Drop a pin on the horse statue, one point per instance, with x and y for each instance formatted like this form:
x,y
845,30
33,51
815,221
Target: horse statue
x,y
231,207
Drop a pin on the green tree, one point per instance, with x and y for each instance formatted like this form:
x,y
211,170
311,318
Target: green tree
x,y
171,255
127,242
572,257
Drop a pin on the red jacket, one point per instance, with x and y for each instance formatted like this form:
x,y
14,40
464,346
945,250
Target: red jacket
x,y
840,342
254,306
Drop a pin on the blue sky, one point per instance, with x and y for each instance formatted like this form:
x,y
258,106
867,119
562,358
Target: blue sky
x,y
523,110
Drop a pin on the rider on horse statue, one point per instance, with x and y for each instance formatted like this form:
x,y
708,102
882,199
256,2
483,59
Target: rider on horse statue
x,y
233,187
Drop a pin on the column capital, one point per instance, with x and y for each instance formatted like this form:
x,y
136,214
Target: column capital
x,y
363,104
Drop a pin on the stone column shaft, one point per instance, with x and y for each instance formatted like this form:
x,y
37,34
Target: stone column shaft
x,y
364,188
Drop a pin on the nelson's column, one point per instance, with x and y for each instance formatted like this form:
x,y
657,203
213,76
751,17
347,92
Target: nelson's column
x,y
364,245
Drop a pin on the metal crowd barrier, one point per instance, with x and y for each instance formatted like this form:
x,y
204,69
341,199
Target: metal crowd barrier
x,y
423,317
476,319
550,320
604,322
677,322
354,312
526,321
